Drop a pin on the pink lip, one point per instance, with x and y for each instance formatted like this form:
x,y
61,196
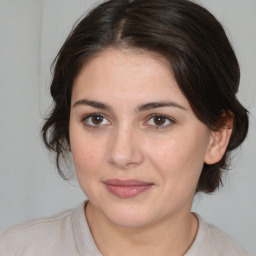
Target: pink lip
x,y
127,188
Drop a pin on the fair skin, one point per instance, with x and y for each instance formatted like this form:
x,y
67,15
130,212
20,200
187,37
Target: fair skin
x,y
129,121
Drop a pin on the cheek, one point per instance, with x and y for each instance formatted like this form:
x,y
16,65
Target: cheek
x,y
86,152
87,161
86,158
180,158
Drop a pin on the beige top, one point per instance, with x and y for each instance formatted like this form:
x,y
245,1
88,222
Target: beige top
x,y
67,234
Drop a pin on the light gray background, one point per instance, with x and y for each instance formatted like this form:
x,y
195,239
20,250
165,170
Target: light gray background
x,y
31,32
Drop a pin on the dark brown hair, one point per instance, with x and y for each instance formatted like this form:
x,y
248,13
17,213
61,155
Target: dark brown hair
x,y
186,35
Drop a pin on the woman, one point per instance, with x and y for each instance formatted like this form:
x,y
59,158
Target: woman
x,y
145,100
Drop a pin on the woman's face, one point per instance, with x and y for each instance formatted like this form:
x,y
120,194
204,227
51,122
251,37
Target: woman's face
x,y
137,146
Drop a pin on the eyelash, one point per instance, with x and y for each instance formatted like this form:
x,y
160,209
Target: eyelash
x,y
171,121
84,120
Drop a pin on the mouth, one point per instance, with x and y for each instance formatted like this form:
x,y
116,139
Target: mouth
x,y
127,188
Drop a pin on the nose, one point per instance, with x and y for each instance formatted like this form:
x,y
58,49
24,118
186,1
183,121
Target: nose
x,y
125,149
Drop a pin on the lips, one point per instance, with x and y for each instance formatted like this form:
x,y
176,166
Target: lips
x,y
127,188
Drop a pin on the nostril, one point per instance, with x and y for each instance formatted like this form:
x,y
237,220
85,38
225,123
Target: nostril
x,y
121,159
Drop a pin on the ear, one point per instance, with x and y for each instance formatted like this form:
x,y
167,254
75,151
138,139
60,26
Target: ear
x,y
219,140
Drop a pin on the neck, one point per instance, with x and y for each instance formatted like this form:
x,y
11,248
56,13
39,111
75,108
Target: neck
x,y
170,236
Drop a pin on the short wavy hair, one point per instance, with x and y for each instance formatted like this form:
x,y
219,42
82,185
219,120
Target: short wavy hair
x,y
185,34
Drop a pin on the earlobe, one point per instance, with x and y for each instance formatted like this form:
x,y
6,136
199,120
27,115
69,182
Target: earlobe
x,y
219,142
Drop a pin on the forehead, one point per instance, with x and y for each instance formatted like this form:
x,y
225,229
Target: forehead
x,y
123,73
126,60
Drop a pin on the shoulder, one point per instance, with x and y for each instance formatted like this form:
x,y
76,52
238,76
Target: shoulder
x,y
38,233
222,242
212,241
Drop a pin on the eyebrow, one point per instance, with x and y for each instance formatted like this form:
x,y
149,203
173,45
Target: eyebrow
x,y
159,104
140,108
92,103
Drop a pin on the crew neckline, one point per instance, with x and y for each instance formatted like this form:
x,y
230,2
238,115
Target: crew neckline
x,y
86,245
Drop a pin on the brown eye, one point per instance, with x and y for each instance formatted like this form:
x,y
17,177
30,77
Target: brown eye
x,y
159,120
95,120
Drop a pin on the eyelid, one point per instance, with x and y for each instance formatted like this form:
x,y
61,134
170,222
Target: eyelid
x,y
170,119
86,117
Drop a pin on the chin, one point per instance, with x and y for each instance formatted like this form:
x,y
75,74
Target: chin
x,y
128,217
129,222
